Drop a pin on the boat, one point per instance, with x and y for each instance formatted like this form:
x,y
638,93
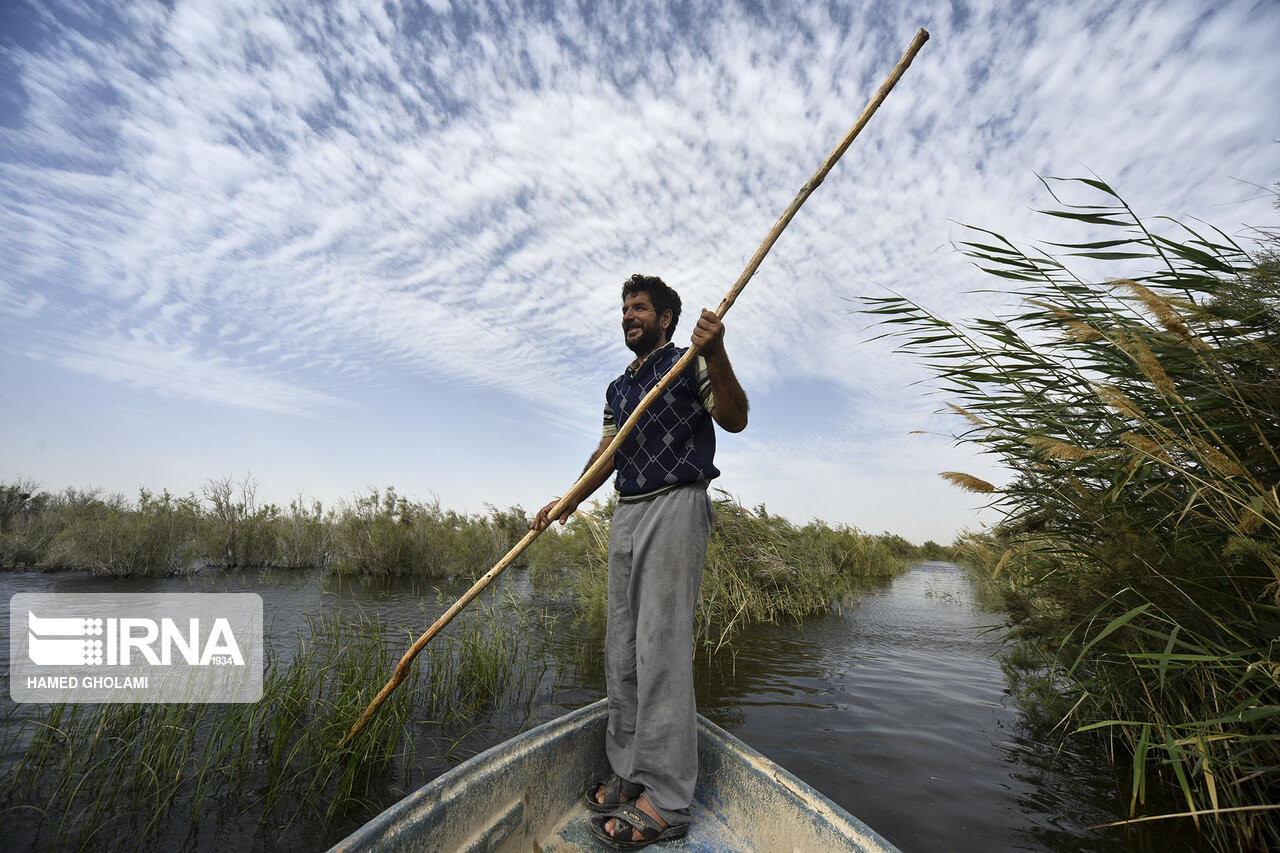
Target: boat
x,y
526,795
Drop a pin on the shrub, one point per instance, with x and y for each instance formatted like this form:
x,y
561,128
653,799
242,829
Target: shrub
x,y
109,536
387,534
238,532
24,539
303,535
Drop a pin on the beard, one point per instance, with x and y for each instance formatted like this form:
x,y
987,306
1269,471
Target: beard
x,y
649,339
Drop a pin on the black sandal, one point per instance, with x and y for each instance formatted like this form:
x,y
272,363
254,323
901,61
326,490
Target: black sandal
x,y
617,792
627,822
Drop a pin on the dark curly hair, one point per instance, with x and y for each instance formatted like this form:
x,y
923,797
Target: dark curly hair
x,y
660,293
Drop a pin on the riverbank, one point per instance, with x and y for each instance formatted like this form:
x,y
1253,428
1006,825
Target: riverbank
x,y
372,533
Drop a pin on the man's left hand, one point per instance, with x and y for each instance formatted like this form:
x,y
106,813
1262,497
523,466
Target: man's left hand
x,y
708,335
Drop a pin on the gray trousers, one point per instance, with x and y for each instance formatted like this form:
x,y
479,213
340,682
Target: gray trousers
x,y
656,552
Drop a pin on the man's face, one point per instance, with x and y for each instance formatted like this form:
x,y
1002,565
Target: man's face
x,y
642,328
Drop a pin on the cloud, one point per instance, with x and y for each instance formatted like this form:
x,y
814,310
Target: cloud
x,y
284,198
181,371
22,306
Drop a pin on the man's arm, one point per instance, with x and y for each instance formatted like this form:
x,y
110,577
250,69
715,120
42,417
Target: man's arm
x,y
542,519
730,400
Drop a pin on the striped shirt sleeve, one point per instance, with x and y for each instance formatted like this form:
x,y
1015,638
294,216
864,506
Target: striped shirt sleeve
x,y
704,385
610,428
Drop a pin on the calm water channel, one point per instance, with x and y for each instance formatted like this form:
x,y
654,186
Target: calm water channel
x,y
896,707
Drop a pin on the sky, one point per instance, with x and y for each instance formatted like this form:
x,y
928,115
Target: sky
x,y
335,246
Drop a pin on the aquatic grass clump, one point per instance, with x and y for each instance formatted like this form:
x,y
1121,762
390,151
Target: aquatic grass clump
x,y
1139,551
147,775
492,661
759,568
763,568
160,776
574,560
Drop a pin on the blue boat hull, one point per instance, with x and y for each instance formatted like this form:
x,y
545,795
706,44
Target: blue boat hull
x,y
524,795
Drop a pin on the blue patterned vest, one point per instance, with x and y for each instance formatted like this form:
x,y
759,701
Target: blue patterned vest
x,y
674,442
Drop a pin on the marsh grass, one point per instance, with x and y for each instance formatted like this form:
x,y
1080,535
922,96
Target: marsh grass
x,y
1139,553
760,567
159,776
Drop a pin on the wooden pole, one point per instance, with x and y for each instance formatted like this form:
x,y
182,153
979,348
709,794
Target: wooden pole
x,y
576,492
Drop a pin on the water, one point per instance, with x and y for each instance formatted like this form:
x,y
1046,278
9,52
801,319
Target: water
x,y
896,707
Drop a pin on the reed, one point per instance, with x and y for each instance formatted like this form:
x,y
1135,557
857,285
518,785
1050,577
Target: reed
x,y
1139,550
760,567
149,776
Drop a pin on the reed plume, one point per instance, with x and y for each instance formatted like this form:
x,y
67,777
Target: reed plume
x,y
968,482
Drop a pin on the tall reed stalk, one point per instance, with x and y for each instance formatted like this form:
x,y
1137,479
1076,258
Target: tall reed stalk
x,y
1139,420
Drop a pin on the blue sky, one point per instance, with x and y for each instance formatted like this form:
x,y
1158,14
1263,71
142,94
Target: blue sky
x,y
341,245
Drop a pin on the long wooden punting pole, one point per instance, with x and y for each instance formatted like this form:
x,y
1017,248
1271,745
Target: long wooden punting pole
x,y
576,493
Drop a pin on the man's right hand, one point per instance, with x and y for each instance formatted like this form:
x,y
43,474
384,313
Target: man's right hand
x,y
543,518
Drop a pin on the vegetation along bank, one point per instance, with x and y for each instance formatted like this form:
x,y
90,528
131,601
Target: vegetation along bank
x,y
1138,416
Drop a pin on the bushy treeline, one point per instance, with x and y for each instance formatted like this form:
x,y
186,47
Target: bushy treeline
x,y
760,567
1140,420
375,533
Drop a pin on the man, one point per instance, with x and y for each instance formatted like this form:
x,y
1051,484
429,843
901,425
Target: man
x,y
657,546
